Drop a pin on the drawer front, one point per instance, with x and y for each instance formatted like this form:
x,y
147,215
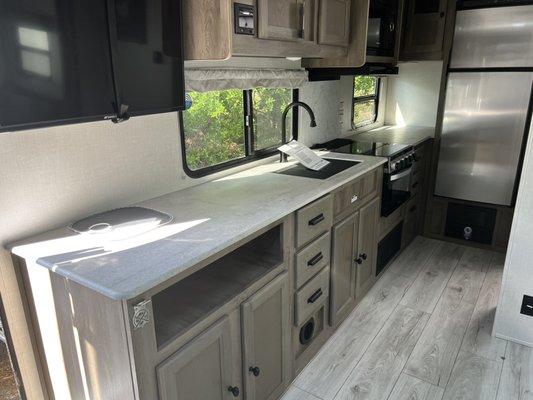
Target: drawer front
x,y
313,220
312,296
352,196
369,184
312,258
416,183
387,223
347,198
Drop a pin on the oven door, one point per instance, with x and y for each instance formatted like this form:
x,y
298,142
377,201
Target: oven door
x,y
396,186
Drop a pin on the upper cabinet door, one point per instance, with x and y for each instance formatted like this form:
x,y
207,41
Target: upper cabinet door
x,y
424,28
200,370
334,22
367,249
286,19
266,340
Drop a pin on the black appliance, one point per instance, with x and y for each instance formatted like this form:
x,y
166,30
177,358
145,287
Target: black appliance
x,y
64,61
397,171
382,27
389,246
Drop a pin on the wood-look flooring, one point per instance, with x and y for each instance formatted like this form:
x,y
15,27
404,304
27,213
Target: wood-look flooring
x,y
423,333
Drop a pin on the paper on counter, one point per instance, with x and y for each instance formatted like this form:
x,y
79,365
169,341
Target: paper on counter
x,y
304,155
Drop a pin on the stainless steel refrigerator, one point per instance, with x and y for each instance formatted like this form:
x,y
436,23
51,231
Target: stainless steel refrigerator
x,y
488,104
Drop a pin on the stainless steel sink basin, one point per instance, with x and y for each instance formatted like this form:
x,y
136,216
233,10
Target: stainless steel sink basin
x,y
333,168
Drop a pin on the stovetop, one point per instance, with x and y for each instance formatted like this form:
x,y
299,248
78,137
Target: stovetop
x,y
379,149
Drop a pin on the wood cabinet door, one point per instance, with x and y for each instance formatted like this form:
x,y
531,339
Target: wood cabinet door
x,y
367,247
424,29
266,341
344,246
334,22
286,19
202,369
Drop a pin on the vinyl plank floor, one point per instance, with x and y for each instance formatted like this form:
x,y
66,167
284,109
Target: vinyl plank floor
x,y
433,358
478,338
377,372
410,388
411,261
327,372
516,382
476,259
294,393
430,283
474,378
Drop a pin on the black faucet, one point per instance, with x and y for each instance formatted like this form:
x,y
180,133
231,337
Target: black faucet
x,y
283,156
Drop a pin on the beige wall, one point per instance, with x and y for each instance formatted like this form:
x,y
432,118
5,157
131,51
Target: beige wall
x,y
413,94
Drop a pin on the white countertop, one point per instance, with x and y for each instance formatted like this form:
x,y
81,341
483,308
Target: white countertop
x,y
207,219
411,135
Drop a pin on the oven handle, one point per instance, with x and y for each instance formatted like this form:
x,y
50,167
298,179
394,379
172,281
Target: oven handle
x,y
399,175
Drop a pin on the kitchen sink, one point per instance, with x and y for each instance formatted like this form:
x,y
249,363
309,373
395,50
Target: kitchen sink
x,y
333,168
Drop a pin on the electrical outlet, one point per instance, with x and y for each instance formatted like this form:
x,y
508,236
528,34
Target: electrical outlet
x,y
527,306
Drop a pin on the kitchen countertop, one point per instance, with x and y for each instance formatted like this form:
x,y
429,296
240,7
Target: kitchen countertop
x,y
411,135
207,219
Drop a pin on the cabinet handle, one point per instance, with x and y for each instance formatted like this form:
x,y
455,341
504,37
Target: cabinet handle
x,y
318,219
301,32
234,390
392,26
363,256
354,199
358,260
255,371
313,261
315,296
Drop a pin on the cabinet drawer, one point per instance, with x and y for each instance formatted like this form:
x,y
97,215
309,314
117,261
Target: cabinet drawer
x,y
313,219
352,196
312,296
312,259
387,223
416,183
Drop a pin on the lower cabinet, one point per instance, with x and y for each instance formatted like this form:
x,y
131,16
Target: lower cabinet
x,y
367,247
266,337
343,272
353,262
203,368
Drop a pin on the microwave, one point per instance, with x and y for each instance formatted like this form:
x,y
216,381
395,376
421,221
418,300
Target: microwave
x,y
382,27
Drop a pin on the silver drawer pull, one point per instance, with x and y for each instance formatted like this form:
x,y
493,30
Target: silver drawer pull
x,y
354,198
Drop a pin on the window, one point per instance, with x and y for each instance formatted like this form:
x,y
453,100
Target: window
x,y
365,100
224,128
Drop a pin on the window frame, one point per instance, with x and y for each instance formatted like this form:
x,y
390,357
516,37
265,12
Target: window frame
x,y
362,99
248,132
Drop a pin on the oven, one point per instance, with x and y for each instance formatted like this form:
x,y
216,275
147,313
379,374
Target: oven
x,y
396,187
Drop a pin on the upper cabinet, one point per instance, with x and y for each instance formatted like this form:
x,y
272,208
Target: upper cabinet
x,y
425,22
291,20
334,22
220,29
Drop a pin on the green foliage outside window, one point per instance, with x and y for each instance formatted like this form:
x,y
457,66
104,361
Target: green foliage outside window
x,y
214,130
365,100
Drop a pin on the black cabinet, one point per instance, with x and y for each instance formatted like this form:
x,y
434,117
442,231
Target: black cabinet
x,y
382,28
64,61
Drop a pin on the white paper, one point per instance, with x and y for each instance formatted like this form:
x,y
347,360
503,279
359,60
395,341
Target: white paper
x,y
304,155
